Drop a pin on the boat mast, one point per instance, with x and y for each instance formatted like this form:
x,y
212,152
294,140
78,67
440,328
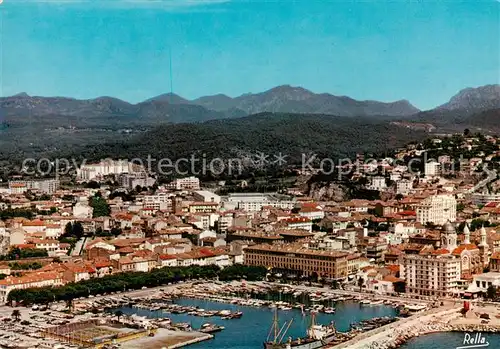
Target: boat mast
x,y
275,324
286,330
274,327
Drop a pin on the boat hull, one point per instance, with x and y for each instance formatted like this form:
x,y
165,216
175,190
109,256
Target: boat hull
x,y
306,344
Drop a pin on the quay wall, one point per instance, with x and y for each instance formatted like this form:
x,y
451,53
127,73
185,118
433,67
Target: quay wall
x,y
191,341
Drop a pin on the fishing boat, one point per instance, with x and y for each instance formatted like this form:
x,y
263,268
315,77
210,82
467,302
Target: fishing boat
x,y
329,310
318,336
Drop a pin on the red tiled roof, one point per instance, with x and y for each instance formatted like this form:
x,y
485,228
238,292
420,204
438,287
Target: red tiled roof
x,y
441,251
392,278
167,256
463,247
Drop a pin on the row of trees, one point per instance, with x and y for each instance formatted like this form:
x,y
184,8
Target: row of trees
x,y
133,281
16,212
10,213
18,253
25,266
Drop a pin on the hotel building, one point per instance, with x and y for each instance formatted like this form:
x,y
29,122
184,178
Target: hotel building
x,y
431,275
298,260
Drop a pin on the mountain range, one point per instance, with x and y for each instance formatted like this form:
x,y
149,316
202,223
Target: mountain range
x,y
282,99
289,99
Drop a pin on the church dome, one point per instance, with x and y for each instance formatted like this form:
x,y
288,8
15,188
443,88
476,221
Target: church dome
x,y
448,228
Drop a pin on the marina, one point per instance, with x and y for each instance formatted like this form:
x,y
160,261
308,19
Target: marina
x,y
234,315
252,329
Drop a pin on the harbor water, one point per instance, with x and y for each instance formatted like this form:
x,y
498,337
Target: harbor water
x,y
252,329
453,340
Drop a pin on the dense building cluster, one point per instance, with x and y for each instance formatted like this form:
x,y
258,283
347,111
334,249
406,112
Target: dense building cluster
x,y
430,232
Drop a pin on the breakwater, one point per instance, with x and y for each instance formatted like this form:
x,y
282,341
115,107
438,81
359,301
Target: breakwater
x,y
433,321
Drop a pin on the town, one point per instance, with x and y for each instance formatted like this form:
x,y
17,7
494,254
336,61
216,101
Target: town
x,y
431,235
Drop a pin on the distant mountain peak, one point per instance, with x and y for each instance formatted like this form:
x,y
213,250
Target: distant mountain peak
x,y
22,95
168,97
289,91
474,99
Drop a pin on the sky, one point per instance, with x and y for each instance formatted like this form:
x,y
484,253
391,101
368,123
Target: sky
x,y
422,51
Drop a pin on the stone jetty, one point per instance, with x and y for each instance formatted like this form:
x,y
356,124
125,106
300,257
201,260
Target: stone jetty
x,y
435,320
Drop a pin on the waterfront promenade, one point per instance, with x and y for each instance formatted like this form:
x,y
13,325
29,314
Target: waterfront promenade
x,y
354,292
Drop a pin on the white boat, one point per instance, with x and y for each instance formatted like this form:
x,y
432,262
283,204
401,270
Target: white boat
x,y
329,310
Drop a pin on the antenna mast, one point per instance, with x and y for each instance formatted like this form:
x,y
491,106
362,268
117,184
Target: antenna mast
x,y
171,77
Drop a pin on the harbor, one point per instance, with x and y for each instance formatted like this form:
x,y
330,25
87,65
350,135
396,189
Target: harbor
x,y
252,329
239,315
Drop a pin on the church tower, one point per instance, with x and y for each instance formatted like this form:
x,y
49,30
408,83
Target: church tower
x,y
483,247
466,234
448,237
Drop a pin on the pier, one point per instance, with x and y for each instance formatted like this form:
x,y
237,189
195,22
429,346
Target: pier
x,y
168,339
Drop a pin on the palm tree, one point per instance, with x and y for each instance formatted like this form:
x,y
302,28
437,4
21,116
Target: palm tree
x,y
118,314
16,314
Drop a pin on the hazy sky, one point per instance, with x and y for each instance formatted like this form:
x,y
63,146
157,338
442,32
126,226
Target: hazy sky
x,y
422,51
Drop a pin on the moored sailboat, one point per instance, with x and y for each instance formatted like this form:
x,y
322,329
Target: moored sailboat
x,y
318,336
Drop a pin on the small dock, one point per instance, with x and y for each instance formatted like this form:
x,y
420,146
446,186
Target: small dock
x,y
168,339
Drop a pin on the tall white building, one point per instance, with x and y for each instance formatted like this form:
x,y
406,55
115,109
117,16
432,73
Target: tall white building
x,y
432,169
107,167
431,275
437,209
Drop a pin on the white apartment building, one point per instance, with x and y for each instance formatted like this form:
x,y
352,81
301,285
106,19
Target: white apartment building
x,y
431,275
132,180
206,196
107,167
404,186
224,222
48,186
432,169
160,202
400,233
437,209
378,183
482,282
254,202
187,183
